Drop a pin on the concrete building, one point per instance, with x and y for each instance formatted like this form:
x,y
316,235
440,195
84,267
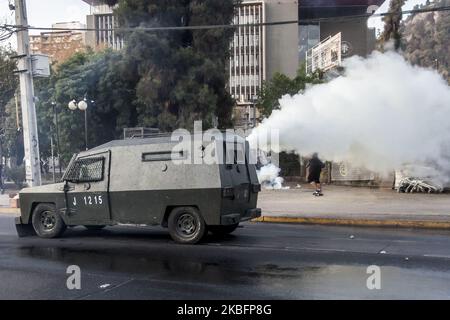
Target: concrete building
x,y
59,45
257,53
282,40
101,19
247,49
247,60
320,19
285,45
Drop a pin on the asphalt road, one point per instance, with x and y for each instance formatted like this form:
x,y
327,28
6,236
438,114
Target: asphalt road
x,y
259,261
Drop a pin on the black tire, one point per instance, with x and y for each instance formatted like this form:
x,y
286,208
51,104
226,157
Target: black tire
x,y
223,230
94,228
186,225
47,222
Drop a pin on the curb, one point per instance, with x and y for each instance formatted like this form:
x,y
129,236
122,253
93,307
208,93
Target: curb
x,y
9,211
392,223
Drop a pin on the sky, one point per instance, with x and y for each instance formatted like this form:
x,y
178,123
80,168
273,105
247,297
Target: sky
x,y
43,13
378,23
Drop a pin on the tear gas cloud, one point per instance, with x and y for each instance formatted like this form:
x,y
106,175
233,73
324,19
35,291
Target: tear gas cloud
x,y
269,177
380,114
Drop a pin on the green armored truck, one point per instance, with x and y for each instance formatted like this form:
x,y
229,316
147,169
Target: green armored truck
x,y
152,181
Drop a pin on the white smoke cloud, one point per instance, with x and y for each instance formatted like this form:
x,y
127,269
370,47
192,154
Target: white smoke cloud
x,y
381,114
269,177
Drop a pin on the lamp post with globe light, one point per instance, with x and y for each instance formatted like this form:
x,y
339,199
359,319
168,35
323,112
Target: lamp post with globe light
x,y
83,106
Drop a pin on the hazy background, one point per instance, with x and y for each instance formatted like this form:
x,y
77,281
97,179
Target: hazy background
x,y
43,13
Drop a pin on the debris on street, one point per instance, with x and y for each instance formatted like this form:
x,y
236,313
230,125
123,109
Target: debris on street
x,y
408,185
419,179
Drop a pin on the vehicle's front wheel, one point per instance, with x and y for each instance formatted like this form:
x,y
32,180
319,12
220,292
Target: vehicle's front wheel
x,y
223,230
186,225
47,222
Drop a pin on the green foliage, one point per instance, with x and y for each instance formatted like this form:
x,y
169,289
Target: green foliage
x,y
12,138
8,86
426,39
164,79
281,85
180,75
8,80
98,77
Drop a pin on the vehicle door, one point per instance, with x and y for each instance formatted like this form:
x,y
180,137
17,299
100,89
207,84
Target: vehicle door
x,y
87,190
236,168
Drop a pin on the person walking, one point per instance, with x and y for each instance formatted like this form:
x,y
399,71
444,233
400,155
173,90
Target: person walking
x,y
315,166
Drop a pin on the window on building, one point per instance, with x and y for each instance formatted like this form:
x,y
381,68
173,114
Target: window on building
x,y
309,36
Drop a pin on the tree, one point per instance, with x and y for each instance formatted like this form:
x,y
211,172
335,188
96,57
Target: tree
x,y
164,79
392,23
8,80
180,75
96,76
281,85
426,40
12,135
9,83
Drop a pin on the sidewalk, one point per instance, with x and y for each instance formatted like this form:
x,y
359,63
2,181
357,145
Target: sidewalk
x,y
355,206
4,200
4,205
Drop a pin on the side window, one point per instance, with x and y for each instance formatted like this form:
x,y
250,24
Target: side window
x,y
86,170
235,153
164,156
240,153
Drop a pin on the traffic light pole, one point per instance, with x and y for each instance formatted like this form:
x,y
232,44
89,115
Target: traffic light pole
x,y
30,133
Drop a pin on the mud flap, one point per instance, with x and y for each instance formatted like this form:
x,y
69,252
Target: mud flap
x,y
24,230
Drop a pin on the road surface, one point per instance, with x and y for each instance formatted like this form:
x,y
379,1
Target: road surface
x,y
259,261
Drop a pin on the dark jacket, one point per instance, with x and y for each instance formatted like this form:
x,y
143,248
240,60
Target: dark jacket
x,y
315,166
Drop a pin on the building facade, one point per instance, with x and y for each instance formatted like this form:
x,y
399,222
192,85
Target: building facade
x,y
284,46
247,49
59,45
102,20
258,52
321,19
247,61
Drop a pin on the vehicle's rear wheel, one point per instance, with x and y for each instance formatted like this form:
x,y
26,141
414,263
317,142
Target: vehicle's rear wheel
x,y
47,222
186,225
223,230
94,228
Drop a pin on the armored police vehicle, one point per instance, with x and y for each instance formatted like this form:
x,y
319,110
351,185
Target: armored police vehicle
x,y
147,182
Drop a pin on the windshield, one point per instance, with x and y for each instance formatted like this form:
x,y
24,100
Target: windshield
x,y
69,166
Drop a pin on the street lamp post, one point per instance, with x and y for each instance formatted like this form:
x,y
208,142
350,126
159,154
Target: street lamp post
x,y
58,150
254,100
83,106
